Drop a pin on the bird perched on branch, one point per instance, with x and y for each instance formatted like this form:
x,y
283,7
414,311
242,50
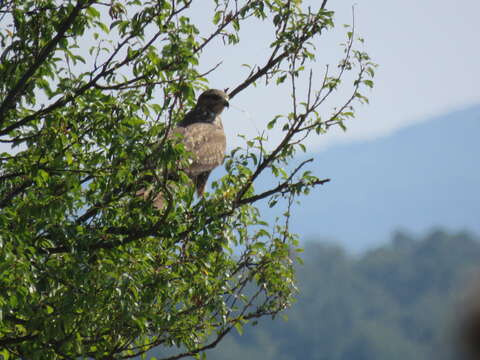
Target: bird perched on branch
x,y
201,132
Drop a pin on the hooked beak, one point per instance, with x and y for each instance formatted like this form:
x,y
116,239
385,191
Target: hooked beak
x,y
226,103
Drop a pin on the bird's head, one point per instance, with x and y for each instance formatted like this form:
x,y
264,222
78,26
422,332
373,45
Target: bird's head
x,y
213,100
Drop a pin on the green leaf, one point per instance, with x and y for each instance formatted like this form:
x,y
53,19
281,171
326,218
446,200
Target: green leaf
x,y
217,17
369,83
239,327
281,79
93,12
69,158
43,174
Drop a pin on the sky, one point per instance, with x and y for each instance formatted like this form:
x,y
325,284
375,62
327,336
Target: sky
x,y
427,52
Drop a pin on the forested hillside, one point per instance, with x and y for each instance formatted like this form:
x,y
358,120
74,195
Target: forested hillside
x,y
399,301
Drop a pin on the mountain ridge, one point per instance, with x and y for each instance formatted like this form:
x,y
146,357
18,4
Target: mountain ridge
x,y
420,177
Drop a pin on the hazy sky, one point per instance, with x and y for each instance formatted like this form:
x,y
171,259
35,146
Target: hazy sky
x,y
428,53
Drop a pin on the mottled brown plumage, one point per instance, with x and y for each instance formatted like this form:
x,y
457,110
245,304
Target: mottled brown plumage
x,y
202,134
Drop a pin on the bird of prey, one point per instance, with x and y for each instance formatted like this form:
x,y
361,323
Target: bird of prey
x,y
201,132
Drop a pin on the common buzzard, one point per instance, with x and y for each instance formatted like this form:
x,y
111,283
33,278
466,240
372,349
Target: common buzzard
x,y
202,134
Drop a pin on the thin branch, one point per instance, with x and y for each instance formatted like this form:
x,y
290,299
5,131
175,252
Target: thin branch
x,y
279,189
22,83
14,192
130,84
11,341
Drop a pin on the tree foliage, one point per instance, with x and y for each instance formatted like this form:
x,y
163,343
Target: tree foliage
x,y
88,90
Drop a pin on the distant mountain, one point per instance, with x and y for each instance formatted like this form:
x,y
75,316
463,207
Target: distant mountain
x,y
423,176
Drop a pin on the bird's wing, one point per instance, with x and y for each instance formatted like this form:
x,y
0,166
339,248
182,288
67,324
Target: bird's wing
x,y
207,143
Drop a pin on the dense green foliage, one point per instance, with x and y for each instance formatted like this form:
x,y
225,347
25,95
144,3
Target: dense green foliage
x,y
400,301
87,87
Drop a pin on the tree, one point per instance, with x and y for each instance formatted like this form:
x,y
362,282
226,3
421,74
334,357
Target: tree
x,y
88,269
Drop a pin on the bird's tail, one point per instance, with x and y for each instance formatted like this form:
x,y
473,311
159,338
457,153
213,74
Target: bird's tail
x,y
200,182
